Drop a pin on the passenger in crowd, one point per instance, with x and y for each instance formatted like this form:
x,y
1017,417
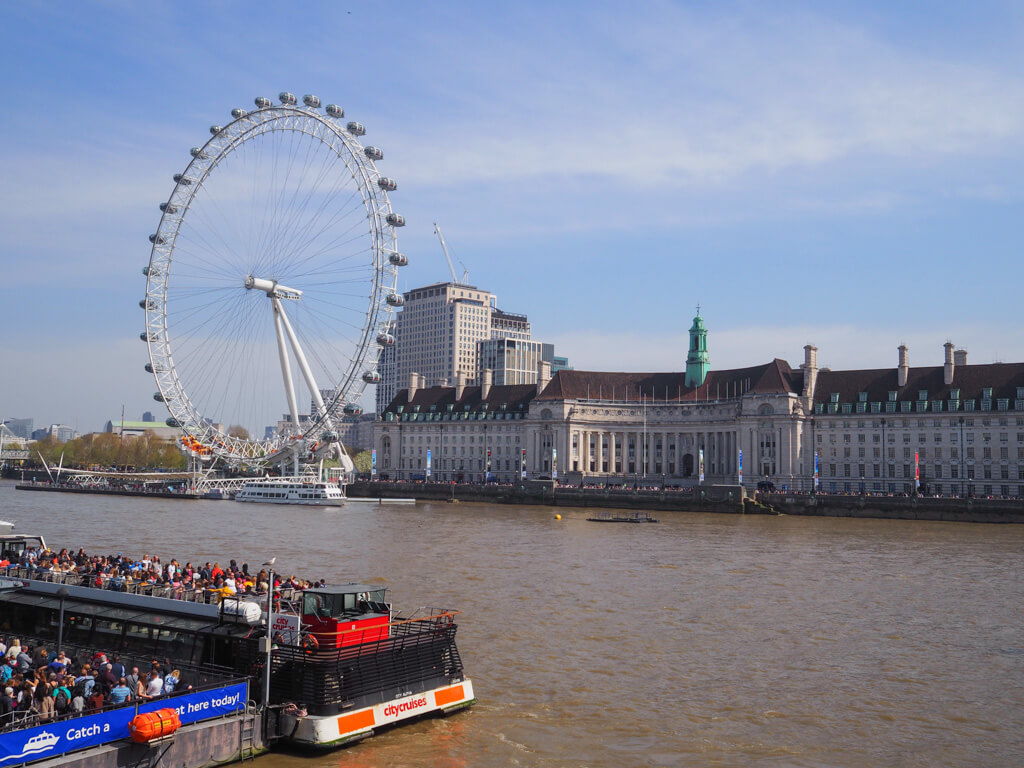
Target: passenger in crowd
x,y
85,682
43,703
40,657
133,679
171,681
117,668
154,686
7,705
120,693
106,677
7,669
13,649
3,647
95,701
58,665
61,694
24,661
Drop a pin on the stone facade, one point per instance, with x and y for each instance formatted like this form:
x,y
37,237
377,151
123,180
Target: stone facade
x,y
861,429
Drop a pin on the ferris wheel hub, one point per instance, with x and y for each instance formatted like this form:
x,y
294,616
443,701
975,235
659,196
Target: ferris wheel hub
x,y
272,288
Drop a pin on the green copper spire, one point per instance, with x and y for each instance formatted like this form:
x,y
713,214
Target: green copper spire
x,y
697,361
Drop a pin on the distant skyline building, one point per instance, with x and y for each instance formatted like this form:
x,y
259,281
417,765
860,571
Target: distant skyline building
x,y
20,427
512,360
438,335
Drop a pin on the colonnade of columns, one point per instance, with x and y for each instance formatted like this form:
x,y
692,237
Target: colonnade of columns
x,y
623,451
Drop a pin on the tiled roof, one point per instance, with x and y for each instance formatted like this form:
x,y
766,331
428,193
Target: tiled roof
x,y
1003,378
769,378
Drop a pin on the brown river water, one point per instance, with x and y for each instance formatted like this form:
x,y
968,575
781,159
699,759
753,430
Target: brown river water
x,y
702,640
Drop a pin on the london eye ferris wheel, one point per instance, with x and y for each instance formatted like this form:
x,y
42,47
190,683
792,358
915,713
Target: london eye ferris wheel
x,y
270,285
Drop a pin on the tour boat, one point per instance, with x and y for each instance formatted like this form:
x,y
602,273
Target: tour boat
x,y
343,664
284,490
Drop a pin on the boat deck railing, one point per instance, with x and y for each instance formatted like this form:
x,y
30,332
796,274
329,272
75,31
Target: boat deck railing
x,y
285,597
416,654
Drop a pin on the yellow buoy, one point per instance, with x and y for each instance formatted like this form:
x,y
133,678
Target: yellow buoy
x,y
558,517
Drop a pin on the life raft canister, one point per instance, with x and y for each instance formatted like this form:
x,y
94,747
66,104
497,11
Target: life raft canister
x,y
154,725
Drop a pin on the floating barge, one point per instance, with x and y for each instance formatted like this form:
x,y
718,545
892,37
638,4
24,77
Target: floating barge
x,y
636,517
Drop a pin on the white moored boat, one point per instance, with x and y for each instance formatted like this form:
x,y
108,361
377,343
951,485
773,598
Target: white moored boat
x,y
283,490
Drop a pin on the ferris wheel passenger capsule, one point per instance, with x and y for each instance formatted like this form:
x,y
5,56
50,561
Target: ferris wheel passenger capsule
x,y
329,436
159,397
352,410
385,339
287,98
198,153
395,299
147,304
371,377
144,336
170,421
311,101
262,102
182,179
334,110
388,185
395,220
238,113
398,259
168,208
356,129
215,129
374,153
157,239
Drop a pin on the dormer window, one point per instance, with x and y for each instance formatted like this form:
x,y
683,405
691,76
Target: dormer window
x,y
986,393
954,394
922,394
834,397
1020,393
862,397
892,396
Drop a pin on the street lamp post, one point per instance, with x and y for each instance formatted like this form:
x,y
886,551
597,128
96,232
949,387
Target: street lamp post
x,y
62,593
268,638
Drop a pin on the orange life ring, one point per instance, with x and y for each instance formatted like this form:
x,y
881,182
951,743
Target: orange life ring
x,y
310,643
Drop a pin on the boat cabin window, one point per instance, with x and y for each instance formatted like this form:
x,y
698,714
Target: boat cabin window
x,y
326,605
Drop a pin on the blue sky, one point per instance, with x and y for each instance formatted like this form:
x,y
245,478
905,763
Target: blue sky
x,y
846,174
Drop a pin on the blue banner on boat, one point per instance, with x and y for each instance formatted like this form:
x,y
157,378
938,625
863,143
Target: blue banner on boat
x,y
92,730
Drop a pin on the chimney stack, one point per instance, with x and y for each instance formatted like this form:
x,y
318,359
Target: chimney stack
x,y
485,385
414,382
543,375
460,384
947,368
960,357
904,367
442,382
810,367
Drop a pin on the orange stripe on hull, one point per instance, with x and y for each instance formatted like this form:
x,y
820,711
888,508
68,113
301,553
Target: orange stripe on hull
x,y
448,695
357,721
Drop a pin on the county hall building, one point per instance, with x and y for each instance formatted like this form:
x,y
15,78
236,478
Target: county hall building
x,y
952,428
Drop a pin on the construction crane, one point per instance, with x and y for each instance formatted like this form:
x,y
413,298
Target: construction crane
x,y
448,258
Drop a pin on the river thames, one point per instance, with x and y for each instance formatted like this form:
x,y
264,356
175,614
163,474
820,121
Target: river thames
x,y
703,640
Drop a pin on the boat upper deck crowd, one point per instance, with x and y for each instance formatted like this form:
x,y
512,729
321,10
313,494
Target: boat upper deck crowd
x,y
149,573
